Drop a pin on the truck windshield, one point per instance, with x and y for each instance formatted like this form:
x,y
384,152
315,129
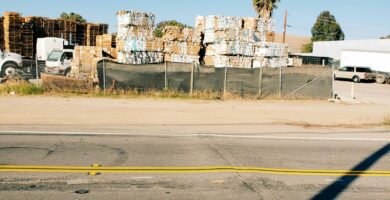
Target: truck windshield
x,y
54,56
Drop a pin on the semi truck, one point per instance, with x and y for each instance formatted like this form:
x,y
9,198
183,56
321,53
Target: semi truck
x,y
12,65
378,61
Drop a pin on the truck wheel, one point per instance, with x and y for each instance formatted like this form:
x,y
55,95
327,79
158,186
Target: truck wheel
x,y
67,72
8,69
356,79
380,79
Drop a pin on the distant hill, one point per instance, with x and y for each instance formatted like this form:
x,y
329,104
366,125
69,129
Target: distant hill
x,y
296,42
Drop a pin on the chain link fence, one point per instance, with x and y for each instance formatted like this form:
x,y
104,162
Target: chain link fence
x,y
283,83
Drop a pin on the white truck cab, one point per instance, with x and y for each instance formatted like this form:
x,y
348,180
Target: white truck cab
x,y
9,62
59,62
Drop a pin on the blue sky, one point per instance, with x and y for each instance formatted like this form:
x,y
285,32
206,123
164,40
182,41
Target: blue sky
x,y
359,19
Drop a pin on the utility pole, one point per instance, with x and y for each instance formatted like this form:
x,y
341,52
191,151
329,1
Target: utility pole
x,y
285,26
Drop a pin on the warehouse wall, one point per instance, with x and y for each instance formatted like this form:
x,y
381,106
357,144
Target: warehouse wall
x,y
332,49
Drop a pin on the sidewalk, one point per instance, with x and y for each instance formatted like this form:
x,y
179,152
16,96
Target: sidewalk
x,y
74,113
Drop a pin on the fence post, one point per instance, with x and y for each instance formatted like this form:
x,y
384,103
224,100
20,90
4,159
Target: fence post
x,y
333,93
37,69
104,76
260,82
280,82
192,78
225,83
166,75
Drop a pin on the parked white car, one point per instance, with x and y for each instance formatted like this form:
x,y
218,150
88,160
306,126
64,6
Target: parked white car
x,y
355,73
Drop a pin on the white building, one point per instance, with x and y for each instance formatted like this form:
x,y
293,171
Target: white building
x,y
377,60
371,53
333,49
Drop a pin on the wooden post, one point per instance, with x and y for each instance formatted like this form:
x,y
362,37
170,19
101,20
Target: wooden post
x,y
285,26
104,76
280,82
166,75
225,83
260,82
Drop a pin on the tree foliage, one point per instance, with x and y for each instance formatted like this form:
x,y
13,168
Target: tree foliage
x,y
307,48
159,31
72,17
326,28
265,8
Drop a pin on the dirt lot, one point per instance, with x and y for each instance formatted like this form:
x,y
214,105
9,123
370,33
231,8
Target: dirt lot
x,y
366,92
371,106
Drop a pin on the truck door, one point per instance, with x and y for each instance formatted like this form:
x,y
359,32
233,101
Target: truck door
x,y
66,59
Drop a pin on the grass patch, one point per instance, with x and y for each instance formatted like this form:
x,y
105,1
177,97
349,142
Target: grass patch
x,y
71,87
21,88
158,94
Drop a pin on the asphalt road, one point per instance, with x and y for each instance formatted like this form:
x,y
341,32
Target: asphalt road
x,y
349,150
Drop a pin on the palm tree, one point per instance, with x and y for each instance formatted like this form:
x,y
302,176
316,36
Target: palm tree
x,y
264,8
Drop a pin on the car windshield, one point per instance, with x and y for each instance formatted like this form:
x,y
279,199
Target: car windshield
x,y
54,56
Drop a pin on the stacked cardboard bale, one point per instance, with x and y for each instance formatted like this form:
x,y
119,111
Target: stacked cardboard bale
x,y
106,40
108,43
234,41
135,41
12,33
85,59
181,44
1,33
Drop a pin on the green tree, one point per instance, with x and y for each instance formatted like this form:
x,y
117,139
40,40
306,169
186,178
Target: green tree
x,y
159,31
265,8
307,48
326,28
73,17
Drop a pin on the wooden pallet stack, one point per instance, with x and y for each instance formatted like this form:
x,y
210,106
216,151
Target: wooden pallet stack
x,y
48,25
70,31
19,34
27,37
81,33
92,32
1,33
38,29
12,33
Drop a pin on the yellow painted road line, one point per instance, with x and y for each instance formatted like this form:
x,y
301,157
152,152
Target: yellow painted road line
x,y
189,170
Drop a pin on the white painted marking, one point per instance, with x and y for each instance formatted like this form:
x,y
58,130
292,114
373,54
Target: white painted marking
x,y
142,177
198,135
333,180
